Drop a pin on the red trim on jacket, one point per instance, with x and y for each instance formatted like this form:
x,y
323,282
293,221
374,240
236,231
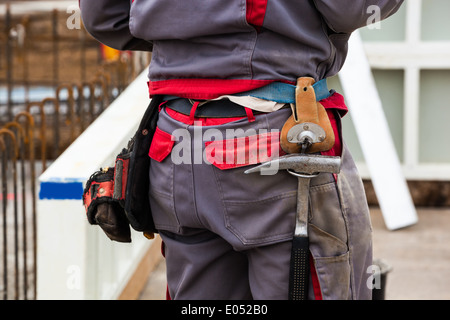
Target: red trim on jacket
x,y
204,88
256,11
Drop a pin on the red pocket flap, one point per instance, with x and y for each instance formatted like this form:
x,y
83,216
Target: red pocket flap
x,y
161,146
239,152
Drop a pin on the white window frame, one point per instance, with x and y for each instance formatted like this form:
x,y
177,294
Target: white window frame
x,y
412,55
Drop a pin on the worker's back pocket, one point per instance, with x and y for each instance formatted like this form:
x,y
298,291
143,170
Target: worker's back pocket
x,y
258,209
262,222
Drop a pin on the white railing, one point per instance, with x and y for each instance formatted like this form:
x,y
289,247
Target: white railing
x,y
76,260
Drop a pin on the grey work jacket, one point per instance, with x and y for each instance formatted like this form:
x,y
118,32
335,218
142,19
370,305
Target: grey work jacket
x,y
204,48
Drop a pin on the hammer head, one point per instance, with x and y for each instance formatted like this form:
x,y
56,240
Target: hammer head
x,y
301,163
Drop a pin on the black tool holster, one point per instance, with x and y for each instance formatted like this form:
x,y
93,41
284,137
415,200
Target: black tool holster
x,y
117,197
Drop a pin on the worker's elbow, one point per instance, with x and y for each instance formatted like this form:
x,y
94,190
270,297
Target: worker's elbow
x,y
102,28
95,27
111,38
89,25
349,22
343,27
356,16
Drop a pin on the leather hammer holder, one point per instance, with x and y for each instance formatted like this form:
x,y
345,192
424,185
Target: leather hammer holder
x,y
307,110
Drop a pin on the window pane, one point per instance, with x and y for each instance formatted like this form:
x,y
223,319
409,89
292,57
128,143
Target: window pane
x,y
390,88
390,29
435,21
434,115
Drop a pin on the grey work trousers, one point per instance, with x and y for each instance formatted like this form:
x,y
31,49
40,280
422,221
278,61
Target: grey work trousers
x,y
227,235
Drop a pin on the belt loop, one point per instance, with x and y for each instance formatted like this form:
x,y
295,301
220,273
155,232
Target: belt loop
x,y
250,115
161,106
192,114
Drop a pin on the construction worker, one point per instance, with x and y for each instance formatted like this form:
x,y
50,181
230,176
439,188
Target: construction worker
x,y
216,65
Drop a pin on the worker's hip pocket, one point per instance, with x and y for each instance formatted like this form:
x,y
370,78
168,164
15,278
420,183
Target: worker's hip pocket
x,y
333,274
161,191
329,241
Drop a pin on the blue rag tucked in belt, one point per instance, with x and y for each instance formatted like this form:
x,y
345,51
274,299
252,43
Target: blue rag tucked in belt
x,y
277,91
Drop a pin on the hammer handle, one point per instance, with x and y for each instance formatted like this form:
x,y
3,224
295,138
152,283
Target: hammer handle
x,y
299,269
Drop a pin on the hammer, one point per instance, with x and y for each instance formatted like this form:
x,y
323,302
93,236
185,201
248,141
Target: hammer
x,y
304,167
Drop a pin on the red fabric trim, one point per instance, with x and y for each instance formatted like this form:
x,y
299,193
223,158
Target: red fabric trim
x,y
161,146
250,116
192,114
315,279
204,88
256,11
163,252
168,294
244,151
204,121
337,148
335,101
106,186
161,105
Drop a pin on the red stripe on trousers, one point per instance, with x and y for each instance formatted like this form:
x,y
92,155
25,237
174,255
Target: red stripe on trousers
x,y
315,279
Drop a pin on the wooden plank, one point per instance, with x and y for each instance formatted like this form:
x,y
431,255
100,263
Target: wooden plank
x,y
375,139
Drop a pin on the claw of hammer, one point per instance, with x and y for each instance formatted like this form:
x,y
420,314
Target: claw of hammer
x,y
301,163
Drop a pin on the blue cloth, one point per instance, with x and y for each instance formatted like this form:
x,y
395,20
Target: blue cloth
x,y
285,93
279,92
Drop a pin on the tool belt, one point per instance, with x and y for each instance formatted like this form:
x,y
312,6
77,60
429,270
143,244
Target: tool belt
x,y
209,109
116,198
104,197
